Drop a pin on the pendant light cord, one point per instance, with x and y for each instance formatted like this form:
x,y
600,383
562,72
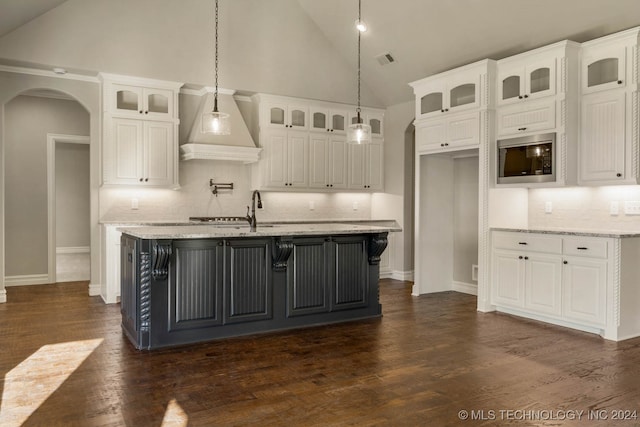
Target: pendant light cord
x,y
359,32
215,97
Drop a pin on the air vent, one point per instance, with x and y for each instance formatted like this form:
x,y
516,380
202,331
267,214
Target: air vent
x,y
385,59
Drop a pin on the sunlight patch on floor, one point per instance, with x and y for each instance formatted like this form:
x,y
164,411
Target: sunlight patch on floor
x,y
28,385
175,416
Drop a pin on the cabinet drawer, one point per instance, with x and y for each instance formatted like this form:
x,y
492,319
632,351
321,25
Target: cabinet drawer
x,y
593,248
528,242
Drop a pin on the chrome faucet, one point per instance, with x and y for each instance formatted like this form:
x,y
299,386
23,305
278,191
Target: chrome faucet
x,y
252,218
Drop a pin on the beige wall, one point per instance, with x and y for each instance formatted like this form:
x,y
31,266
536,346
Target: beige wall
x,y
465,218
28,120
72,195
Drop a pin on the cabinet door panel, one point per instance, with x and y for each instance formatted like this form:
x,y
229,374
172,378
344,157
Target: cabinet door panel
x,y
356,166
195,288
543,284
585,284
350,274
318,160
159,145
527,117
247,281
128,151
298,159
276,158
373,166
602,144
508,279
464,130
603,69
430,134
308,277
337,166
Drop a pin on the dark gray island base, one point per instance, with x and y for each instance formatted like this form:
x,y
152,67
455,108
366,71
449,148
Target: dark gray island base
x,y
188,290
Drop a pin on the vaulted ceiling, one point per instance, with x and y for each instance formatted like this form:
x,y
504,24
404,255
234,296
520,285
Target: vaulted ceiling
x,y
424,36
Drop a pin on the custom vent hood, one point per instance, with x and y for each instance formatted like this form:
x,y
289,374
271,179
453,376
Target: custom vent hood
x,y
238,146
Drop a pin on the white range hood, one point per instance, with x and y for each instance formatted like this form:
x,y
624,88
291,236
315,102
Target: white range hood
x,y
238,146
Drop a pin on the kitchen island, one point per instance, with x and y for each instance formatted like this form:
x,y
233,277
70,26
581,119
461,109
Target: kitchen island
x,y
192,283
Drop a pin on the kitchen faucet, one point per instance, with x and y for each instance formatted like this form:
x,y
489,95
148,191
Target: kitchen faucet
x,y
252,218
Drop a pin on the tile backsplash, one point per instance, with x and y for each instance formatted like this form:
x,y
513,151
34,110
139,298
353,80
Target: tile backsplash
x,y
194,198
587,208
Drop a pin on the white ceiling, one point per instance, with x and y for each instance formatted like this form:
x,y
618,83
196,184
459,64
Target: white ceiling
x,y
428,36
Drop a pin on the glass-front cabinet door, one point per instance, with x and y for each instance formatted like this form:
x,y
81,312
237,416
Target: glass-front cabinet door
x,y
288,116
325,120
145,102
519,83
458,93
603,69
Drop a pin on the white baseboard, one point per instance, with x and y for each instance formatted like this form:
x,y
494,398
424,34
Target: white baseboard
x,y
94,290
402,275
73,250
28,279
386,274
465,288
3,296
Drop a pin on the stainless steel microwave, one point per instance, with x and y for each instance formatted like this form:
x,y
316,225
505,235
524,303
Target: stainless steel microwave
x,y
527,159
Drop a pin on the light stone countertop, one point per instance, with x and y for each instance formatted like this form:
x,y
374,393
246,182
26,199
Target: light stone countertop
x,y
307,228
617,234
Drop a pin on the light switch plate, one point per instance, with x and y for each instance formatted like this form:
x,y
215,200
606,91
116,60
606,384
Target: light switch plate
x,y
134,204
632,207
614,208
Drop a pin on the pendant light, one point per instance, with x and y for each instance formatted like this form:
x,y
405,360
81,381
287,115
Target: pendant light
x,y
359,132
215,122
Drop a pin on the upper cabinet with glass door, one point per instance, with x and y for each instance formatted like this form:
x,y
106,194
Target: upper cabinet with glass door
x,y
455,90
534,74
331,120
137,98
604,64
281,114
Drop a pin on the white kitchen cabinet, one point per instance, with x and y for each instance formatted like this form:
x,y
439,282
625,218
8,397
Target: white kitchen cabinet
x,y
365,166
534,116
449,133
140,132
602,150
288,115
463,88
609,143
524,275
141,153
327,161
525,79
286,155
585,290
334,121
315,156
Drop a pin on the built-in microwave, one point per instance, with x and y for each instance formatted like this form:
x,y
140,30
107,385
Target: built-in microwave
x,y
527,159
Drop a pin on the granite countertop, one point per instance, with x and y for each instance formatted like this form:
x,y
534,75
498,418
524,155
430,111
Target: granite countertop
x,y
264,229
574,232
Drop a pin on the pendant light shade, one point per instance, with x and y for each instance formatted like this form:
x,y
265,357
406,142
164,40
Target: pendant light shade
x,y
215,122
359,132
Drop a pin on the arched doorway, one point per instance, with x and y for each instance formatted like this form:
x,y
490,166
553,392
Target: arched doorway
x,y
86,91
38,123
409,196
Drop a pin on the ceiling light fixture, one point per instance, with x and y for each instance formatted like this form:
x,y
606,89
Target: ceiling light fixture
x,y
359,132
216,122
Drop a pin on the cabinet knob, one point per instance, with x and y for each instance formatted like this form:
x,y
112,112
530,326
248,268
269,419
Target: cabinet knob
x,y
526,96
331,185
565,262
619,82
519,96
526,257
441,145
442,110
146,179
331,130
327,185
618,175
140,179
522,128
520,257
146,112
140,111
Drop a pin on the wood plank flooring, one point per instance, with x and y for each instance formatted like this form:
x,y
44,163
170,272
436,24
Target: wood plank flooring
x,y
65,362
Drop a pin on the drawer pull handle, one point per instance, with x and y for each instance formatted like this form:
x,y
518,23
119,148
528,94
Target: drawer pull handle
x,y
582,248
522,243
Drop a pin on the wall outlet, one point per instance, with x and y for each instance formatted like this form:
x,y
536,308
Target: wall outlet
x,y
355,206
312,205
632,208
614,208
548,207
134,204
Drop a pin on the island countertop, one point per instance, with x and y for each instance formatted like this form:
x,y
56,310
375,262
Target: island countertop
x,y
617,234
204,231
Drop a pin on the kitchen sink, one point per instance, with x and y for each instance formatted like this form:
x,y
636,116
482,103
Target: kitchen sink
x,y
225,221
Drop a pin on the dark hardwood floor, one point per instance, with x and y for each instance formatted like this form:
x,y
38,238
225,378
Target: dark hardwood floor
x,y
64,361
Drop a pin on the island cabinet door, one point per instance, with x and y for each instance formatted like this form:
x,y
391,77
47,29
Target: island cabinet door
x,y
350,272
308,277
128,286
195,287
248,280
